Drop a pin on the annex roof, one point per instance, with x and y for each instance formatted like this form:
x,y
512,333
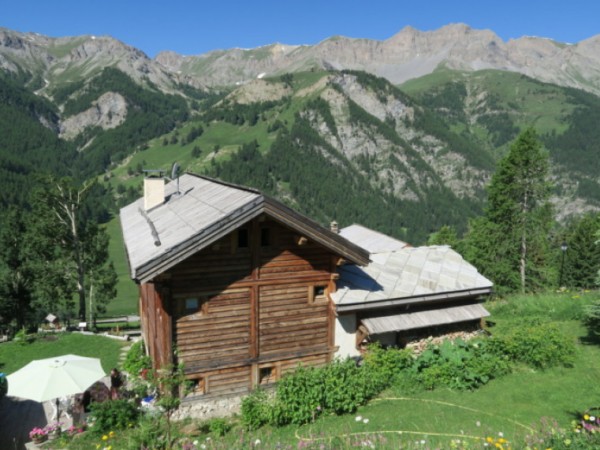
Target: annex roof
x,y
408,275
201,211
424,319
370,240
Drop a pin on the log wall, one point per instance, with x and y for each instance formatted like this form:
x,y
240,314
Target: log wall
x,y
246,311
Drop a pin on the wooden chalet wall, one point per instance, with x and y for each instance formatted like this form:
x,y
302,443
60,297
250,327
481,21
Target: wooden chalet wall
x,y
251,307
156,323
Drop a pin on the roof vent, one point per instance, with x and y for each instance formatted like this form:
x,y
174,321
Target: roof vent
x,y
333,226
154,188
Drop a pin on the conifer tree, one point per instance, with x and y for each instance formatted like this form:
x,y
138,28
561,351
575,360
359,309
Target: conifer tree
x,y
510,242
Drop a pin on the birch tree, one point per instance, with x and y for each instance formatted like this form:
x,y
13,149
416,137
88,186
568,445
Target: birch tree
x,y
74,250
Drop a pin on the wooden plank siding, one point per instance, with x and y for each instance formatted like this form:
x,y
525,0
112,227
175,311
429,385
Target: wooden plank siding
x,y
252,304
156,323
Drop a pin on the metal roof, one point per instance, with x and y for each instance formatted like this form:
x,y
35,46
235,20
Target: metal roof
x,y
408,275
202,212
424,319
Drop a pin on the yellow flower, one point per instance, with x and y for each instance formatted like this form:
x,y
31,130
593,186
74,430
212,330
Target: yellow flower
x,y
489,440
586,417
111,434
502,441
105,438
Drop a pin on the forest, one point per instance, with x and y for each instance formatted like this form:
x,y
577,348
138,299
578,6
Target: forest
x,y
279,146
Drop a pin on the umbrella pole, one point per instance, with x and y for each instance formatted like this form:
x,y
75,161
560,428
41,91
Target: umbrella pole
x,y
57,410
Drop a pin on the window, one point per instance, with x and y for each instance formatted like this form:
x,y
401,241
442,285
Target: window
x,y
243,238
196,305
191,305
265,237
267,375
199,385
317,293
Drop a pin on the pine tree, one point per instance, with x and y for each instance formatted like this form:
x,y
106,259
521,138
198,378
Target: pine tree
x,y
510,242
582,261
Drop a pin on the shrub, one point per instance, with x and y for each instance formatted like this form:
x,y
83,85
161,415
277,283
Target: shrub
x,y
256,410
458,365
219,427
538,345
136,359
112,415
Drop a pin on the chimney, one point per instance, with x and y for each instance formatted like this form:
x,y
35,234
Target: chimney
x,y
333,226
154,189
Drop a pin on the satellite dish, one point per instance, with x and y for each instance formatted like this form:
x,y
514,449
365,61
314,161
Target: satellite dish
x,y
175,174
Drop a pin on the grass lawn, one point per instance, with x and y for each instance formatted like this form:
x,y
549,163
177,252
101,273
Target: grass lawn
x,y
510,407
14,355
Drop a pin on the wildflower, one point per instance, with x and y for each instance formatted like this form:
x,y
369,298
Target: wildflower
x,y
592,418
489,439
208,439
358,418
105,438
111,434
195,442
501,434
365,420
586,417
257,442
202,446
478,423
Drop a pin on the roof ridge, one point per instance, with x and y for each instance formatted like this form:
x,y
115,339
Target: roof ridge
x,y
226,183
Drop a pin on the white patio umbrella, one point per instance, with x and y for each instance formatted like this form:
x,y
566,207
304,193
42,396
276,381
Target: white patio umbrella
x,y
52,378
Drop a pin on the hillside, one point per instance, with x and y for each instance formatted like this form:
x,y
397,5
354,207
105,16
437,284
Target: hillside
x,y
405,160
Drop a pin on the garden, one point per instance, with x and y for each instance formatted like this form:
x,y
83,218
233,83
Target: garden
x,y
530,384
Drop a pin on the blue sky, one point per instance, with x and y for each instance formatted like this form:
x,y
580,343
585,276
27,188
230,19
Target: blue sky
x,y
195,27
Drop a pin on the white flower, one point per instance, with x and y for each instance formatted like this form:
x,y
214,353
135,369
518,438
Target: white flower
x,y
478,423
358,418
257,442
202,446
423,441
592,418
195,442
501,434
208,439
365,420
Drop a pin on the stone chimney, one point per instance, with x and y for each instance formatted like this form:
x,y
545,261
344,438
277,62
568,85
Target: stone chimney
x,y
333,226
154,189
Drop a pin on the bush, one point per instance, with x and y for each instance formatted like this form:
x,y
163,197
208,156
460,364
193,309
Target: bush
x,y
136,359
458,365
537,345
219,427
256,410
113,415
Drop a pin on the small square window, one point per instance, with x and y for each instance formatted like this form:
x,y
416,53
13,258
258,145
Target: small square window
x,y
317,293
198,386
267,375
196,305
191,304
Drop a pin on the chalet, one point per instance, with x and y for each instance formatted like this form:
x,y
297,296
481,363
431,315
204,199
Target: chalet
x,y
232,283
405,293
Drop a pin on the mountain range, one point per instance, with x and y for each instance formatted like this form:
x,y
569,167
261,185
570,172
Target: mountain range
x,y
406,130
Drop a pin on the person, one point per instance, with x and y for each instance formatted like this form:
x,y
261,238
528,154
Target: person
x,y
115,383
86,400
78,410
